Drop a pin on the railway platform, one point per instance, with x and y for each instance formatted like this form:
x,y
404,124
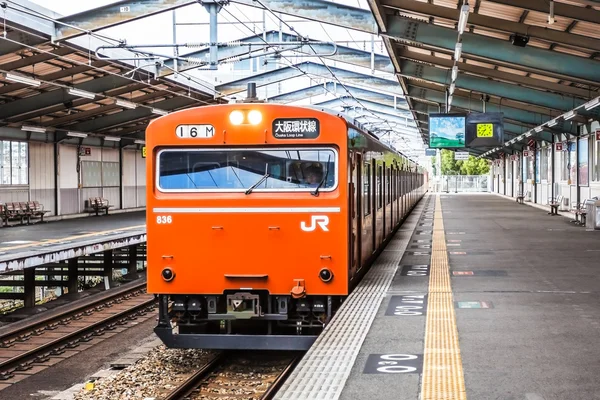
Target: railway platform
x,y
476,297
72,247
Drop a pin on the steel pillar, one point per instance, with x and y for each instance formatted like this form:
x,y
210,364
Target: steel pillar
x,y
132,268
108,265
29,290
213,10
73,276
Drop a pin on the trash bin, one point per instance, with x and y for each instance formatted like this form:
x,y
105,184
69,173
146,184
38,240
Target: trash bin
x,y
593,214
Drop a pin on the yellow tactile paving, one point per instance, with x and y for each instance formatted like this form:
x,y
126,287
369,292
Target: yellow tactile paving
x,y
443,377
37,243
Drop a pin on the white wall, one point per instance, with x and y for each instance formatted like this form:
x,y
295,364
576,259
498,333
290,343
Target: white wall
x,y
41,174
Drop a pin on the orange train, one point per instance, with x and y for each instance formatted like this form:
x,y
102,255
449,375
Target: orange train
x,y
262,218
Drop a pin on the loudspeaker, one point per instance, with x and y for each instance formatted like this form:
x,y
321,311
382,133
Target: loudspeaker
x,y
519,40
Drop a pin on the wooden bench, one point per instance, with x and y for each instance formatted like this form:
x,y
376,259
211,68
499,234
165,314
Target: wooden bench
x,y
521,197
36,210
554,203
98,204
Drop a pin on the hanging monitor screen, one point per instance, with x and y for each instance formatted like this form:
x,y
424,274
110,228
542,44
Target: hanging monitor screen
x,y
447,130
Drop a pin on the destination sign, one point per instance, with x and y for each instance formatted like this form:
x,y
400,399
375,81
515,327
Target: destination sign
x,y
296,128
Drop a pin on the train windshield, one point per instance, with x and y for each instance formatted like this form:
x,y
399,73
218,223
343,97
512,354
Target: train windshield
x,y
280,169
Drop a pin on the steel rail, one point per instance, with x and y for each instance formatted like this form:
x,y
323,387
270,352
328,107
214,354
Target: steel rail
x,y
191,383
8,366
86,303
283,375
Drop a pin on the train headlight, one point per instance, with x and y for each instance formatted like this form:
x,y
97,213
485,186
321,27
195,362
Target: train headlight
x,y
326,275
254,117
236,117
168,274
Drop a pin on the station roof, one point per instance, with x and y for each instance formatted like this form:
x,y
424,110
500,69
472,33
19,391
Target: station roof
x,y
533,60
390,89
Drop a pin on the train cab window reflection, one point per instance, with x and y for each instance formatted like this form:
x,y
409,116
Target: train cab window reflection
x,y
239,169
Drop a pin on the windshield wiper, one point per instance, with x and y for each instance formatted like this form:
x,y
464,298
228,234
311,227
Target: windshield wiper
x,y
251,188
316,191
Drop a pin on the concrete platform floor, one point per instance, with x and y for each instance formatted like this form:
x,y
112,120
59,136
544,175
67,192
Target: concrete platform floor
x,y
38,232
526,292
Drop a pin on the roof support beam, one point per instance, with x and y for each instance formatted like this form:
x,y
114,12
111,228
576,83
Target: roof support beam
x,y
344,54
55,76
574,12
327,12
438,37
53,97
112,15
76,116
128,116
500,89
334,88
61,100
494,74
496,24
379,110
536,113
524,117
311,69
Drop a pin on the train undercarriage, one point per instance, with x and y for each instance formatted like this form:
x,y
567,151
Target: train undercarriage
x,y
243,320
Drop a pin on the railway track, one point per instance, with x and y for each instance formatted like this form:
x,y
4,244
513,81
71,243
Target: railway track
x,y
32,345
243,376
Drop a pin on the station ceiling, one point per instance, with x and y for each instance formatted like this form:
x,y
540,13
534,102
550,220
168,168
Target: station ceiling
x,y
557,70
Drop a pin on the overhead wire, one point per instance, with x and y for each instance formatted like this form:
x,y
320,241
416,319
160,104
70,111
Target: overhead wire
x,y
104,38
319,57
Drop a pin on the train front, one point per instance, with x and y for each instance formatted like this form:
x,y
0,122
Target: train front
x,y
247,225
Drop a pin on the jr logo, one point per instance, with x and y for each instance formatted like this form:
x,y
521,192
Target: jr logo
x,y
320,220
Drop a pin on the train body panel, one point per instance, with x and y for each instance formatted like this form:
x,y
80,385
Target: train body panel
x,y
262,217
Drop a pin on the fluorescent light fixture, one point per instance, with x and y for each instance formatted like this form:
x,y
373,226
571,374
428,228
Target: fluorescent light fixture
x,y
528,134
462,20
126,104
454,73
592,104
570,115
31,128
158,111
21,79
77,134
457,51
449,99
538,129
82,93
112,139
139,141
553,122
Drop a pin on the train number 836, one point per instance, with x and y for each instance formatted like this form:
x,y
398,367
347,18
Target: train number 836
x,y
164,219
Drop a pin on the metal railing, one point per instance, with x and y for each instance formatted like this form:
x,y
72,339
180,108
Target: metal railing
x,y
461,183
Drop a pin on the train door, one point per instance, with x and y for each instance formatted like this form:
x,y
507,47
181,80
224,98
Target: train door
x,y
383,198
373,194
355,191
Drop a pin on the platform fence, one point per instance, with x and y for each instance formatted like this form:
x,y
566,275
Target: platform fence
x,y
461,184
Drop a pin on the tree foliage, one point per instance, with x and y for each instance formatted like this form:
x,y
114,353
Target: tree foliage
x,y
472,166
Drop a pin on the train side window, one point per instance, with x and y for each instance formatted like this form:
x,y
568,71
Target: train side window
x,y
366,189
379,187
389,186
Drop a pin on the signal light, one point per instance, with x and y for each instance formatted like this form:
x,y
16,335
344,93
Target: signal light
x,y
254,117
236,117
